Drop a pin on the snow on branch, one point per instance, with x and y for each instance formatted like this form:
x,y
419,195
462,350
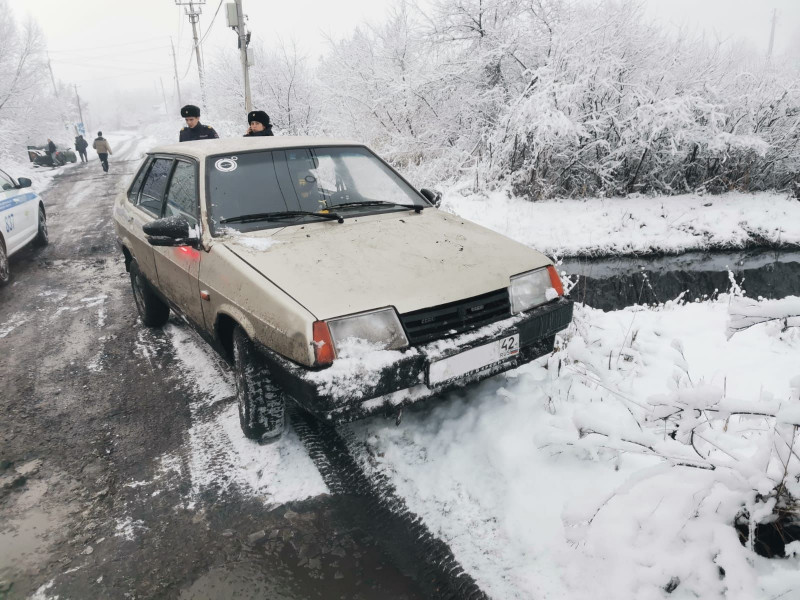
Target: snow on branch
x,y
746,312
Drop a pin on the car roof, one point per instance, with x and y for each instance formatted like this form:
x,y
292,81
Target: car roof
x,y
203,148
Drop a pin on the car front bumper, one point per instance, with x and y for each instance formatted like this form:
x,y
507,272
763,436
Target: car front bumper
x,y
385,381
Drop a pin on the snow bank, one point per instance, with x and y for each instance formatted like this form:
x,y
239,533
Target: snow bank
x,y
559,480
636,224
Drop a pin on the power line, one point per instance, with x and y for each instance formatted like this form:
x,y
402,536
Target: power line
x,y
104,46
102,61
147,71
212,22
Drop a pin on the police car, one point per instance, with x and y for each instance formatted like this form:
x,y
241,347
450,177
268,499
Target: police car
x,y
22,219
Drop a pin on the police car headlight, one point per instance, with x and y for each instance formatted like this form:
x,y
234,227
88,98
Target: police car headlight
x,y
534,288
379,329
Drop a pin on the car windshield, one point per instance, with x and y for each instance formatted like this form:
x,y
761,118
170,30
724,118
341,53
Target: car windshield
x,y
309,180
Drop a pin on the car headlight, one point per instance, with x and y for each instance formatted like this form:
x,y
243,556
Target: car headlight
x,y
534,288
378,329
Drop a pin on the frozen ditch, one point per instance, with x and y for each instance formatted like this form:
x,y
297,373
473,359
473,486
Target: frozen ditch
x,y
614,283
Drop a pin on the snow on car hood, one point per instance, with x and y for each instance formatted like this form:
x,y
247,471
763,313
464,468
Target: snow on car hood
x,y
401,259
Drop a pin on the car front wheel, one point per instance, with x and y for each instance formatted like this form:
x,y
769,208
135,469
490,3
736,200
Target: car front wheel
x,y
262,408
42,238
5,271
152,310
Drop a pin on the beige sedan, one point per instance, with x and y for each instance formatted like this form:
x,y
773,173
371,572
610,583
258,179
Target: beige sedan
x,y
326,278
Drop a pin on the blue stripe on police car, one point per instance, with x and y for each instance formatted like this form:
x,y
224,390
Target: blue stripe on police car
x,y
16,200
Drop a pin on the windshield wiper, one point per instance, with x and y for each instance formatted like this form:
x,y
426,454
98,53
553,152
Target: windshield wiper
x,y
279,216
416,207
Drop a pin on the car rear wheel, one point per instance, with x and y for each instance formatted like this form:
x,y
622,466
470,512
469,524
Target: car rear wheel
x,y
5,271
42,238
152,310
262,408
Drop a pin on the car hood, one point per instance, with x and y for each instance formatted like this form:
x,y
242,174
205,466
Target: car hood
x,y
401,259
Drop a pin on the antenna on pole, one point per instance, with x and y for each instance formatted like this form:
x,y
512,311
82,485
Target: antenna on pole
x,y
193,11
772,33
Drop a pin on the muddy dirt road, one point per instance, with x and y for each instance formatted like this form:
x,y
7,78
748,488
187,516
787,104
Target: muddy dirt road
x,y
123,472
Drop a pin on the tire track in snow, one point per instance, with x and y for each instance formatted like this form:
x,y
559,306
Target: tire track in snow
x,y
217,456
220,459
402,533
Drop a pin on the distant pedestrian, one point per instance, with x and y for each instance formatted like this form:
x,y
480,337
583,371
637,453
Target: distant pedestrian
x,y
51,152
103,149
194,130
81,145
259,124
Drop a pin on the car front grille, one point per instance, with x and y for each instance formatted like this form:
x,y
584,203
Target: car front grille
x,y
457,317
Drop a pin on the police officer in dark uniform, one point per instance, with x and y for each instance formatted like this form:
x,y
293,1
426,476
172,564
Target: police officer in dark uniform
x,y
259,123
194,130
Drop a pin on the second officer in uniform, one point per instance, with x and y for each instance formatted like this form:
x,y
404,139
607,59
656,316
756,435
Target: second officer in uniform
x,y
195,130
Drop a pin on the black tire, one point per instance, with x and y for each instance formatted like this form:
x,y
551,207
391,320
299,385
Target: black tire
x,y
152,310
42,237
5,270
262,407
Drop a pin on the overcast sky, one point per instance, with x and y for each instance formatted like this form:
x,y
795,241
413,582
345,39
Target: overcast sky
x,y
110,47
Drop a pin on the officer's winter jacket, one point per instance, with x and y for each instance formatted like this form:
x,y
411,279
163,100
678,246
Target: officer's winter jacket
x,y
198,132
267,131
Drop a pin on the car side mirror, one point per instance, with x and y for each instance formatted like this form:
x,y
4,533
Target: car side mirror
x,y
433,197
171,231
24,182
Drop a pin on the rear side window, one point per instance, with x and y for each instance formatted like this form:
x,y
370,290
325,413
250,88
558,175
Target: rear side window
x,y
133,192
182,193
152,196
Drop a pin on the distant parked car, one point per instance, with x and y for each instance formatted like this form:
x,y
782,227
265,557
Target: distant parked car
x,y
22,219
326,278
39,156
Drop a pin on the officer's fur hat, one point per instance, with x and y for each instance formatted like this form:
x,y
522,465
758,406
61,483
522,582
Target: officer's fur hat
x,y
190,110
259,116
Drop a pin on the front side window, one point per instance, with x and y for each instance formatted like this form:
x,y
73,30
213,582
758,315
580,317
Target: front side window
x,y
152,196
348,181
5,182
182,193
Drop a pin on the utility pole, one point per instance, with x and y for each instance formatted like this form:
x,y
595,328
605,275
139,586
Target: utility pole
x,y
236,21
80,112
177,79
772,33
164,94
194,13
53,79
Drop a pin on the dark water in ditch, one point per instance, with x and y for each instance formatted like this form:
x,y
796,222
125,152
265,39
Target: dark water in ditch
x,y
615,283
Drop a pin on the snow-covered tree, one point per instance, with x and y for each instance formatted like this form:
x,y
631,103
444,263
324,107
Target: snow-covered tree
x,y
547,97
29,110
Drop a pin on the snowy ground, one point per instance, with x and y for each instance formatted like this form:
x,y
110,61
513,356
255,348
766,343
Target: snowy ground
x,y
558,480
534,505
634,225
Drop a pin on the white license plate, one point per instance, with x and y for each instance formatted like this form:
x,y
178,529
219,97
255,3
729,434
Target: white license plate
x,y
473,360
